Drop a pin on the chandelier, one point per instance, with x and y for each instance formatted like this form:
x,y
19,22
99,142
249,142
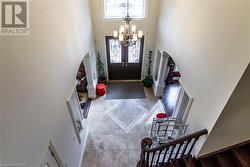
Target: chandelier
x,y
127,34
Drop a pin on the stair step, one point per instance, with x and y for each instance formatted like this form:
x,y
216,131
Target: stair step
x,y
190,162
243,156
209,162
177,164
226,160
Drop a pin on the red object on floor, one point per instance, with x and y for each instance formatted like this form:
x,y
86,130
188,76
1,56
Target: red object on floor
x,y
161,115
100,89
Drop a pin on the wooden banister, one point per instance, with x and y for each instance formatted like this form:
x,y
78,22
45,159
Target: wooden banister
x,y
147,142
179,147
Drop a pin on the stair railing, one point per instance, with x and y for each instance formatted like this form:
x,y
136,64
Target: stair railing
x,y
163,155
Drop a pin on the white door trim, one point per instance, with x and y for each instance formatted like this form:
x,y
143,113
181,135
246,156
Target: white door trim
x,y
179,100
50,146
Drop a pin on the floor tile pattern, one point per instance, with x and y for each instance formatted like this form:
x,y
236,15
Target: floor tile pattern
x,y
117,128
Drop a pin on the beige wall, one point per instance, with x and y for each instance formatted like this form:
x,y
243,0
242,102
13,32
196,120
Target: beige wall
x,y
39,74
104,27
232,127
210,42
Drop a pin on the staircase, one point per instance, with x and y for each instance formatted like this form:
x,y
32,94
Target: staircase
x,y
233,156
177,153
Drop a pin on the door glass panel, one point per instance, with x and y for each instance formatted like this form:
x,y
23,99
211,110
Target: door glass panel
x,y
134,53
115,51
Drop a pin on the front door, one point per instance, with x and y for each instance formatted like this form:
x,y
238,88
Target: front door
x,y
124,62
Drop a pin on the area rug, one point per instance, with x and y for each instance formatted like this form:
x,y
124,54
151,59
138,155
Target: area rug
x,y
125,90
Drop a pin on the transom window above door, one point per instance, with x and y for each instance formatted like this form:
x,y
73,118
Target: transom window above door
x,y
116,9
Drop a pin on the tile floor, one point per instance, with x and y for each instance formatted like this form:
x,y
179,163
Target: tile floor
x,y
117,128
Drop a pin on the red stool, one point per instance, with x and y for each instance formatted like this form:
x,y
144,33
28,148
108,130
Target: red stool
x,y
161,115
100,89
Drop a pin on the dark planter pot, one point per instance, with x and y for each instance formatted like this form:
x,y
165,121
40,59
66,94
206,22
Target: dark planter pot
x,y
102,81
148,83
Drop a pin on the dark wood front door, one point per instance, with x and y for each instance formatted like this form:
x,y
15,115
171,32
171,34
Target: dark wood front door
x,y
124,63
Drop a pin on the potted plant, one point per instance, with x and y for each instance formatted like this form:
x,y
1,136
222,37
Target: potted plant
x,y
148,80
101,72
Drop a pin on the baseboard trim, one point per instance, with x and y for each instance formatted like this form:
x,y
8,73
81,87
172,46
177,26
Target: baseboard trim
x,y
84,145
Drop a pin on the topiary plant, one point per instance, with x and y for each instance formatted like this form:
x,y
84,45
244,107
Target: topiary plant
x,y
148,80
101,72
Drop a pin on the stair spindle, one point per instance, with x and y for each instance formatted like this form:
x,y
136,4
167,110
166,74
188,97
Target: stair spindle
x,y
184,150
164,157
158,158
192,146
147,160
152,159
170,155
178,150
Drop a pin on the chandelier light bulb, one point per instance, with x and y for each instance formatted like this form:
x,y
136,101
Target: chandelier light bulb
x,y
135,37
126,26
115,34
140,33
133,28
121,29
120,37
